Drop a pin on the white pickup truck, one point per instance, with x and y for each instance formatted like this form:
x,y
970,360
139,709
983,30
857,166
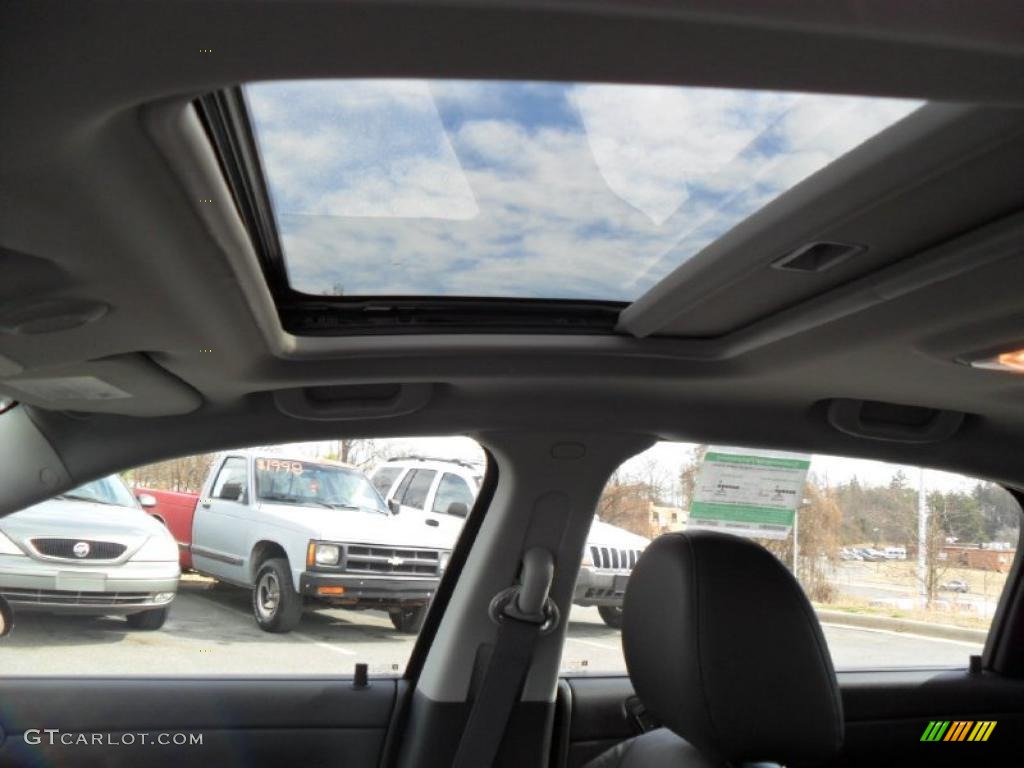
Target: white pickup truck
x,y
304,533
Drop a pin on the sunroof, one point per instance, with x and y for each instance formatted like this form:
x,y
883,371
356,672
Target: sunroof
x,y
528,189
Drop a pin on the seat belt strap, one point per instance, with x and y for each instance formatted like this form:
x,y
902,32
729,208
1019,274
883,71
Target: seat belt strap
x,y
497,695
524,612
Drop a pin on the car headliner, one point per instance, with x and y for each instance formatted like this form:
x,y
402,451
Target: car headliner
x,y
106,168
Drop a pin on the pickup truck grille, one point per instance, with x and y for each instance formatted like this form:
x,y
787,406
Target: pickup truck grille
x,y
65,549
417,562
614,559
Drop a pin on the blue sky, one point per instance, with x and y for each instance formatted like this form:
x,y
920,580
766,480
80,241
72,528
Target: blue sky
x,y
541,190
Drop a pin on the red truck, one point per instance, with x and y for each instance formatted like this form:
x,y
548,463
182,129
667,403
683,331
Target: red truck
x,y
175,510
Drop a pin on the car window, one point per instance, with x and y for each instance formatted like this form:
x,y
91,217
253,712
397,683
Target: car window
x,y
849,529
316,577
384,478
291,481
417,489
106,490
452,490
403,485
232,474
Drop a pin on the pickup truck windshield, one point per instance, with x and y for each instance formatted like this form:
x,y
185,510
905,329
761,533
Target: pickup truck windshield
x,y
107,490
287,481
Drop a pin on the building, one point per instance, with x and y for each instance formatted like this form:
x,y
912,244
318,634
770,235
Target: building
x,y
667,519
974,556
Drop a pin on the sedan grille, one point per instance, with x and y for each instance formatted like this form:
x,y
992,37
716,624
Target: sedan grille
x,y
418,562
614,559
65,549
55,597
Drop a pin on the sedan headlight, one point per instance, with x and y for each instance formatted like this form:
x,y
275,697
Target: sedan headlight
x,y
445,557
158,548
588,559
8,547
327,554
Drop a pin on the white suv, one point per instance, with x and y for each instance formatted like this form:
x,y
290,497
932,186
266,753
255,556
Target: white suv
x,y
440,492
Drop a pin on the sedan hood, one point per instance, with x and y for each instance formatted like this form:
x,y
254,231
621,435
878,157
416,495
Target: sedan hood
x,y
79,519
73,519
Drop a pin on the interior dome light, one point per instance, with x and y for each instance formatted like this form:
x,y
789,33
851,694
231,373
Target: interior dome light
x,y
1006,361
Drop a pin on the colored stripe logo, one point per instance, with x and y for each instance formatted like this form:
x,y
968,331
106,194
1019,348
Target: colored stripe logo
x,y
958,730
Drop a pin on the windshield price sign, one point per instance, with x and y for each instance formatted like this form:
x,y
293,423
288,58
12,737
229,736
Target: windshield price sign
x,y
280,465
749,493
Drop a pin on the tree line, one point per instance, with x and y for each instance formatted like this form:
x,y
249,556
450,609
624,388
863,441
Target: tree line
x,y
834,516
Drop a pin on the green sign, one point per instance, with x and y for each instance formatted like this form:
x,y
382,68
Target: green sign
x,y
749,494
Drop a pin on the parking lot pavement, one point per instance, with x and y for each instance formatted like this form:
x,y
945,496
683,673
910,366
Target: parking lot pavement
x,y
592,647
890,583
210,631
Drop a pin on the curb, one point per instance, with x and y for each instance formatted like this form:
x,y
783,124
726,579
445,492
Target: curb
x,y
942,631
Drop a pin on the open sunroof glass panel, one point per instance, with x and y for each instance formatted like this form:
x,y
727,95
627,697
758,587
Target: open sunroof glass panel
x,y
528,190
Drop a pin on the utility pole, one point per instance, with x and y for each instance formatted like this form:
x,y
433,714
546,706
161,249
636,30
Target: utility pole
x,y
922,542
796,533
796,539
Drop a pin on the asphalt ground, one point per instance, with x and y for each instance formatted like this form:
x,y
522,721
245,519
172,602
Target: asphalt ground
x,y
211,631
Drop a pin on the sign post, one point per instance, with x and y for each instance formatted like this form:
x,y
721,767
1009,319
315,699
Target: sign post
x,y
796,538
922,542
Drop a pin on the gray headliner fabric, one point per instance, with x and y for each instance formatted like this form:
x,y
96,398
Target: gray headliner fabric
x,y
103,170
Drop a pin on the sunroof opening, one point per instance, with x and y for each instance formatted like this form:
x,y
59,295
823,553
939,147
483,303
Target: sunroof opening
x,y
528,190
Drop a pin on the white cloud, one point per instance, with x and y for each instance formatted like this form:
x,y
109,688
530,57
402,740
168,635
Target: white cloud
x,y
359,148
377,193
652,144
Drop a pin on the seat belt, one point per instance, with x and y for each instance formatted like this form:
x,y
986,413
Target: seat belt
x,y
523,613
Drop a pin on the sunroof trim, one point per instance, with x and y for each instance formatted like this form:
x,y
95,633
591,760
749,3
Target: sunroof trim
x,y
225,116
229,123
226,119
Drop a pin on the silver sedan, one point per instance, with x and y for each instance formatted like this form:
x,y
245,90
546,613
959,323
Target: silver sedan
x,y
92,551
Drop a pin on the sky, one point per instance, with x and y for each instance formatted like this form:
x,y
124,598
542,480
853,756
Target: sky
x,y
666,459
541,190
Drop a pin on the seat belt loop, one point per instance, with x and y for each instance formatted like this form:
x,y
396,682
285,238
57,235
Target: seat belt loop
x,y
531,595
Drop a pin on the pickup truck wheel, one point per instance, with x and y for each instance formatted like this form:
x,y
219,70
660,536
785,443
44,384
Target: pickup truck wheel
x,y
408,620
275,603
147,619
611,615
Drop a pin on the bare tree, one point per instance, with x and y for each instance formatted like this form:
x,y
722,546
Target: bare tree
x,y
362,453
938,530
688,475
627,505
819,530
185,473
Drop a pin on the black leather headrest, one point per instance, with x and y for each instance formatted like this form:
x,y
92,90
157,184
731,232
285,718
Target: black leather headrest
x,y
724,648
